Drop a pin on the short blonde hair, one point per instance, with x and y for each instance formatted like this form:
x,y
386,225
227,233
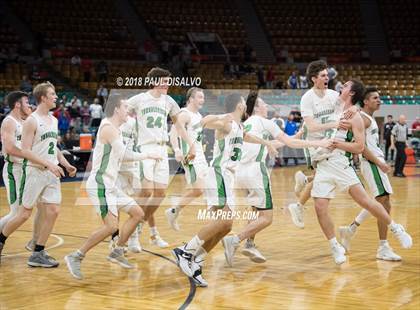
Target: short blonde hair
x,y
41,90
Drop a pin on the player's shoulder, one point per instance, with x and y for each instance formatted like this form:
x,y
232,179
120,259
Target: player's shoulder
x,y
309,94
332,93
8,123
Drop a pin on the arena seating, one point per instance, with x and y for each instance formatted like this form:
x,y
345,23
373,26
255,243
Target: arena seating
x,y
171,20
400,19
335,28
90,28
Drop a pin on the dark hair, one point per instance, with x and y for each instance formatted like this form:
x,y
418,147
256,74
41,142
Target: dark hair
x,y
191,92
157,72
314,68
390,116
231,101
13,97
359,91
251,101
113,102
368,92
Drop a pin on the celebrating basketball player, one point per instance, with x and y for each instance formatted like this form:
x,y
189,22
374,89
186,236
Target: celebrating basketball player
x,y
320,108
152,109
253,176
374,170
108,198
227,152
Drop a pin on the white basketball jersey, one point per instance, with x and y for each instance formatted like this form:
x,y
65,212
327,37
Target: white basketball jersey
x,y
323,110
129,136
372,136
17,141
152,114
262,128
45,140
106,161
195,132
227,151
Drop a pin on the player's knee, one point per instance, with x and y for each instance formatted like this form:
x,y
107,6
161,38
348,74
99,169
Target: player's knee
x,y
146,193
52,211
198,192
320,209
227,226
159,193
137,213
25,214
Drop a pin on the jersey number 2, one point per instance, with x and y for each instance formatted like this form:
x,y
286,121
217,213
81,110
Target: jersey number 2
x,y
51,148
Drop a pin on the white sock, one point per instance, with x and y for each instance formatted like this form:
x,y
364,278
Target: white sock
x,y
392,225
200,256
193,245
333,242
236,240
362,216
80,254
353,227
154,231
383,242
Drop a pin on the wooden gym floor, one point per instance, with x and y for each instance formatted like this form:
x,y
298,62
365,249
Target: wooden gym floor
x,y
299,272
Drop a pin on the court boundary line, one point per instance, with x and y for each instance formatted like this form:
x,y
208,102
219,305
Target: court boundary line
x,y
185,304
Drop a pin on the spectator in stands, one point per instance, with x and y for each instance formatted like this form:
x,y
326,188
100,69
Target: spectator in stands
x,y
86,66
63,100
70,140
303,81
186,52
102,71
292,82
279,84
75,119
387,136
270,77
332,75
399,141
102,93
60,144
64,118
76,60
96,113
74,100
260,77
290,128
416,125
85,114
25,84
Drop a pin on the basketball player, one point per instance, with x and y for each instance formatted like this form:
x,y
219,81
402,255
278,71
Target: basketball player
x,y
152,109
333,169
108,198
196,169
11,136
38,185
129,176
374,170
229,136
253,176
